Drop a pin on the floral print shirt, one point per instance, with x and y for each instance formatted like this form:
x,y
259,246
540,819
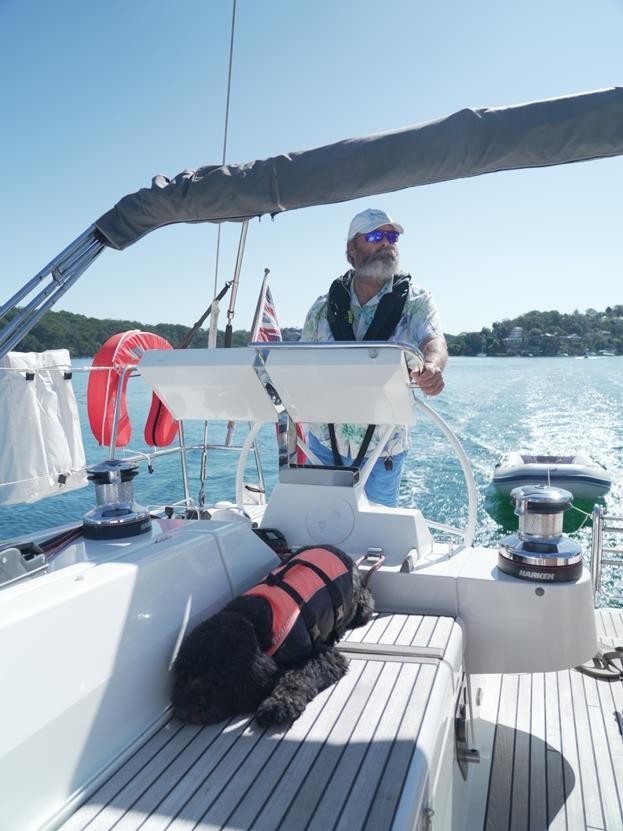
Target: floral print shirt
x,y
419,321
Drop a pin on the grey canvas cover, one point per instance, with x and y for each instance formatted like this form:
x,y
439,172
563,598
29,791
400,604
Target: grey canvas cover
x,y
467,143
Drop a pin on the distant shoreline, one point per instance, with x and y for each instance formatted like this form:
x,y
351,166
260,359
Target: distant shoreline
x,y
534,334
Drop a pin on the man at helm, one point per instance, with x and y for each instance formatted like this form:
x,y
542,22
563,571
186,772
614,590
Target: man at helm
x,y
375,300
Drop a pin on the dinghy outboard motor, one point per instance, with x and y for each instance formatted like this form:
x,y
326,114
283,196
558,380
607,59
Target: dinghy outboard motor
x,y
116,514
539,550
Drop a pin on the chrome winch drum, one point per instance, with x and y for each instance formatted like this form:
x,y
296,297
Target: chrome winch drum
x,y
116,514
539,550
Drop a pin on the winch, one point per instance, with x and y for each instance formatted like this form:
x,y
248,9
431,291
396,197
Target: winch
x,y
539,550
116,514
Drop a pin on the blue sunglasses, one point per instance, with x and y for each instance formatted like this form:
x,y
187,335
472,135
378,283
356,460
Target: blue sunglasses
x,y
378,236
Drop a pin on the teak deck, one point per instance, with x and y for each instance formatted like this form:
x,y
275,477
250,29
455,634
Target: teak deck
x,y
556,759
558,751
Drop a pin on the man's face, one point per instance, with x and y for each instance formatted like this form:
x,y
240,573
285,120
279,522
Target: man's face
x,y
378,260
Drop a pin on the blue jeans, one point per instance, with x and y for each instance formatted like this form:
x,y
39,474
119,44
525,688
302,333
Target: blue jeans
x,y
382,485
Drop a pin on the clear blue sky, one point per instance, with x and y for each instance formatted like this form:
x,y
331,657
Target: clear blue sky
x,y
97,97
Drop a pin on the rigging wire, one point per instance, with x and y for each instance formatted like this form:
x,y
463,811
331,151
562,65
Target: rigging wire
x,y
203,465
225,130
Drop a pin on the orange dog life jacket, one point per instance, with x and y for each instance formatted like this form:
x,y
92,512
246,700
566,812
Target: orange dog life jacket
x,y
309,596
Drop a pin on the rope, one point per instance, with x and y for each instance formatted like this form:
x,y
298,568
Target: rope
x,y
586,517
43,477
185,342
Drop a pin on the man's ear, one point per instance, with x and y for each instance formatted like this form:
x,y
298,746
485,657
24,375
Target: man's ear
x,y
350,247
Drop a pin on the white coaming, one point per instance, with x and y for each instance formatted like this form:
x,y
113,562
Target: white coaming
x,y
90,653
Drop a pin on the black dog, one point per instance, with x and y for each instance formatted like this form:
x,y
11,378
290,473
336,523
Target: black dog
x,y
271,650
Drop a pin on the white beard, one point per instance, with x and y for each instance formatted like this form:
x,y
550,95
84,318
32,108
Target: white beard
x,y
380,266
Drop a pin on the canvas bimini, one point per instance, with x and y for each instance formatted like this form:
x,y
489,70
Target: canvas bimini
x,y
460,709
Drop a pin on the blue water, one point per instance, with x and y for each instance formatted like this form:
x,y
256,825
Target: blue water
x,y
542,405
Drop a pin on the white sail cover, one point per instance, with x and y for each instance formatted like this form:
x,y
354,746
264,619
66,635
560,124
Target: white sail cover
x,y
41,451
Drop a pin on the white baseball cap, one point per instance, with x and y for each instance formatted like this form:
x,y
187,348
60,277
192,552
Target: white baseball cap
x,y
370,220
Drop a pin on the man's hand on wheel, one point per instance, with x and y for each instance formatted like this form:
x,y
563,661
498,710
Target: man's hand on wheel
x,y
429,378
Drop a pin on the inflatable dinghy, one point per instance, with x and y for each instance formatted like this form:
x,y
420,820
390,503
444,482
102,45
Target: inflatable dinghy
x,y
583,476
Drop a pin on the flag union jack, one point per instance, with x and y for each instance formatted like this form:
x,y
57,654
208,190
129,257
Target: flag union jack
x,y
269,330
266,329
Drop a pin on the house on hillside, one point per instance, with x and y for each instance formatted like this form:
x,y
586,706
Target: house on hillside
x,y
514,340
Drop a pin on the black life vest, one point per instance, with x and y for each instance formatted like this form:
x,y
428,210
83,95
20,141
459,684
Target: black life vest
x,y
309,596
388,311
383,325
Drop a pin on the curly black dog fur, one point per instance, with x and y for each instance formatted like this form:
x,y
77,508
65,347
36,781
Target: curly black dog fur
x,y
222,669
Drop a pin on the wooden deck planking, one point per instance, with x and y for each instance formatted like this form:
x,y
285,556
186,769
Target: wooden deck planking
x,y
396,767
208,746
328,782
372,632
251,805
575,728
335,720
574,805
557,753
158,800
440,635
557,780
345,757
610,747
115,784
520,795
360,793
587,762
311,779
537,810
610,622
393,629
145,791
409,633
501,779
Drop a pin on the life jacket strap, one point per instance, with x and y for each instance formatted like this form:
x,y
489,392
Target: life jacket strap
x,y
308,618
365,444
277,579
334,594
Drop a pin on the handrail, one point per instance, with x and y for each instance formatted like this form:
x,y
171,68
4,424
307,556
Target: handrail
x,y
472,492
603,522
260,346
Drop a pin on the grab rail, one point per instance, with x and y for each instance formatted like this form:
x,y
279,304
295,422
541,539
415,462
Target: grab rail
x,y
602,522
